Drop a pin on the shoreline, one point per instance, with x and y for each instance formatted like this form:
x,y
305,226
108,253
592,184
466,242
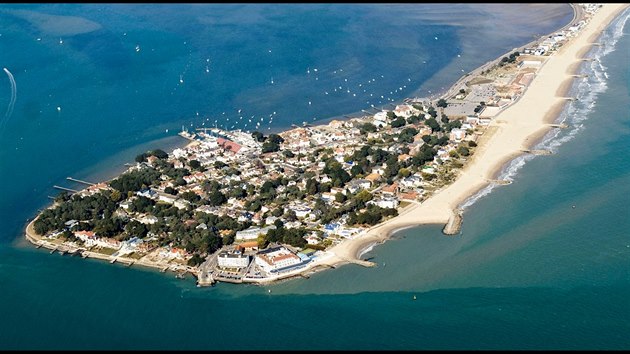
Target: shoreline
x,y
35,239
509,133
504,139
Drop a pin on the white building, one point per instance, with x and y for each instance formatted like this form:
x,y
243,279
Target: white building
x,y
382,116
147,219
147,193
301,212
276,259
252,233
181,203
457,134
232,260
405,110
167,198
385,203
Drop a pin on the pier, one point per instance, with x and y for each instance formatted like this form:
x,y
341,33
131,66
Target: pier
x,y
502,182
537,152
360,262
454,224
79,181
561,126
66,189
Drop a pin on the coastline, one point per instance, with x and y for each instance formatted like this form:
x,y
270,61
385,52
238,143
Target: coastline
x,y
517,128
511,131
37,240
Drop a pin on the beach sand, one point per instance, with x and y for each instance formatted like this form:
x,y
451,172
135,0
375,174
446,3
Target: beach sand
x,y
518,127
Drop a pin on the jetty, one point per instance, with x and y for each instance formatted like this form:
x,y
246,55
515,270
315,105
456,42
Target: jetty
x,y
561,126
79,181
502,182
454,224
537,152
66,189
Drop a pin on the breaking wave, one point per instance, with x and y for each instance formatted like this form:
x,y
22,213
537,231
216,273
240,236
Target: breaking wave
x,y
586,90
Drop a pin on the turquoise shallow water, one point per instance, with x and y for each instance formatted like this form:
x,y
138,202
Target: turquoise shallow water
x,y
528,272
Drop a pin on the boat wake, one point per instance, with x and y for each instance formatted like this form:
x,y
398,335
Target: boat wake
x,y
11,101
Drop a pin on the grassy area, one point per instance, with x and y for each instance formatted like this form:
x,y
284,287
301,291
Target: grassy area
x,y
107,251
135,255
403,204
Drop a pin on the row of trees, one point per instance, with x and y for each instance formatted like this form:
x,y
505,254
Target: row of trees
x,y
372,215
160,154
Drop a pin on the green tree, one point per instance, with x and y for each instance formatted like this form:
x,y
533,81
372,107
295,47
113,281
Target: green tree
x,y
433,124
116,196
260,137
194,164
160,154
363,196
171,190
462,150
216,198
367,128
398,122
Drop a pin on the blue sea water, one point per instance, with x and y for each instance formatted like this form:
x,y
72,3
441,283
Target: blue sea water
x,y
538,274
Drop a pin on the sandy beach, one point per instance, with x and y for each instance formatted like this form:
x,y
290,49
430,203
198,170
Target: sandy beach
x,y
518,127
515,129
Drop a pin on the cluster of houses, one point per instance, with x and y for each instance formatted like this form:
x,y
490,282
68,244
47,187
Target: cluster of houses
x,y
240,149
554,41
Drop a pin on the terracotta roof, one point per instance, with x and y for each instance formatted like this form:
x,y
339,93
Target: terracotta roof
x,y
228,145
373,177
390,188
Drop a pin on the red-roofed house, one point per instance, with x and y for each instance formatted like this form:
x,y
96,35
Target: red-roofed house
x,y
391,189
228,145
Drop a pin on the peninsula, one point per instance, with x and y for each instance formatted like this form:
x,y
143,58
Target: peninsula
x,y
249,208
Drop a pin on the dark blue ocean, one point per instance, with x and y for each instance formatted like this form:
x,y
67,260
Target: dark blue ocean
x,y
543,263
